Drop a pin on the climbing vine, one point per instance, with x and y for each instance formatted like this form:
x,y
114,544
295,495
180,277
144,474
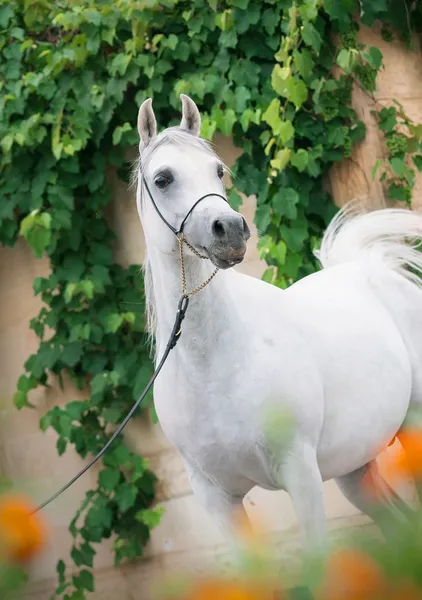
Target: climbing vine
x,y
403,149
277,75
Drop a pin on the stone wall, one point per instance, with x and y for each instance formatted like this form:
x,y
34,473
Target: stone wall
x,y
186,538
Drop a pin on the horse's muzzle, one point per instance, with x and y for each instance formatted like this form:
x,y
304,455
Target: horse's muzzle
x,y
230,232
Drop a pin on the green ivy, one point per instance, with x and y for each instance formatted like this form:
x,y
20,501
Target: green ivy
x,y
73,73
403,141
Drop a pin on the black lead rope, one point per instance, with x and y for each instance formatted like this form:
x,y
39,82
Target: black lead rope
x,y
174,338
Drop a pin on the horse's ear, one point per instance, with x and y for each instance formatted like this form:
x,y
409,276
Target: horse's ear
x,y
147,125
191,119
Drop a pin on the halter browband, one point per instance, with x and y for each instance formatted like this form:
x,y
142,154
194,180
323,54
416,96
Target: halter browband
x,y
179,231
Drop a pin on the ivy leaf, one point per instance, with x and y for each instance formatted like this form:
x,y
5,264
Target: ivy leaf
x,y
272,115
279,79
268,275
139,466
6,13
112,322
247,18
112,415
400,192
76,409
311,37
36,228
387,119
25,383
172,41
71,354
398,166
109,478
270,20
227,121
208,127
125,496
340,10
416,131
297,91
99,516
119,64
119,131
118,457
61,446
280,252
417,159
303,62
235,199
294,237
150,517
84,581
281,159
242,95
284,203
299,159
61,568
93,16
224,20
262,218
344,60
141,381
286,131
374,57
20,399
357,132
87,554
87,287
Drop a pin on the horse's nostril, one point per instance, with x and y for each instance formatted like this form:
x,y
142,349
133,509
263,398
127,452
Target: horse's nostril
x,y
218,228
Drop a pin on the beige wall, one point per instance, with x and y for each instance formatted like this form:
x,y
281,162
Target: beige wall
x,y
186,538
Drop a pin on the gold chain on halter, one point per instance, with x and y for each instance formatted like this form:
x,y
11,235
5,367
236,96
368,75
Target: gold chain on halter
x,y
181,240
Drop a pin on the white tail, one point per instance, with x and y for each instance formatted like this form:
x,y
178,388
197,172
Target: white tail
x,y
391,236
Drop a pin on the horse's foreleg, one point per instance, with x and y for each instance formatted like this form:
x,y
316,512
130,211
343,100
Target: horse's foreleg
x,y
301,478
224,508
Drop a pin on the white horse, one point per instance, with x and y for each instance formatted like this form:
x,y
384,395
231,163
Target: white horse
x,y
340,350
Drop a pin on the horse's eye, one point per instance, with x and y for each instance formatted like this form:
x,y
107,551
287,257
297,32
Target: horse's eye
x,y
162,182
220,171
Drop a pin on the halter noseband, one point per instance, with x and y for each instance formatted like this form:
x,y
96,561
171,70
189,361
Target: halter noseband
x,y
178,232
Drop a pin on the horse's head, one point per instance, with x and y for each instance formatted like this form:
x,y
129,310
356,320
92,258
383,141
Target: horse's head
x,y
176,169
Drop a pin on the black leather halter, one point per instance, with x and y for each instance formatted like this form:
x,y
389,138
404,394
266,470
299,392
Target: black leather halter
x,y
177,232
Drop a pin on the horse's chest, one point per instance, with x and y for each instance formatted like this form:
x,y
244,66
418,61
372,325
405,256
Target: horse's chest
x,y
212,429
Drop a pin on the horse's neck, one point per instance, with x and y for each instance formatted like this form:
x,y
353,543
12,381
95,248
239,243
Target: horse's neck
x,y
208,312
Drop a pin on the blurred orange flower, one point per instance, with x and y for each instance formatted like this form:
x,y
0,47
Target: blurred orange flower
x,y
352,575
411,459
22,533
230,590
404,590
399,465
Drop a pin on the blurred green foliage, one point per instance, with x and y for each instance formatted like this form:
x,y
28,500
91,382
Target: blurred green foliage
x,y
73,73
